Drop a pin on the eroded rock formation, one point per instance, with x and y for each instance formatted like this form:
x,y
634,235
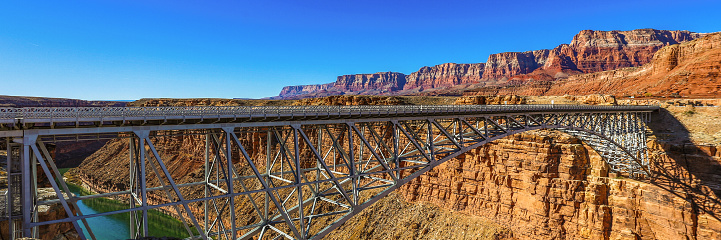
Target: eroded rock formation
x,y
508,64
687,69
589,52
605,50
290,91
546,185
382,81
445,75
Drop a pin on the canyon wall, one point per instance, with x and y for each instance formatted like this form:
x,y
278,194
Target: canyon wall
x,y
589,52
605,50
289,91
508,64
382,82
546,185
687,69
445,75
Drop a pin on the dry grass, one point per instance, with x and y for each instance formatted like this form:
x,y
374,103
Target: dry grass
x,y
394,218
698,125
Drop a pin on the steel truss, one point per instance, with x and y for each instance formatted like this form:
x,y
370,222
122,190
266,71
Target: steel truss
x,y
311,175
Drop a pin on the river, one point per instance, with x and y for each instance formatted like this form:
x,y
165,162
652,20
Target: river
x,y
116,226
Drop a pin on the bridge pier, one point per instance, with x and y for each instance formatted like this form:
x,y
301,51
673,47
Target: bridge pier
x,y
29,184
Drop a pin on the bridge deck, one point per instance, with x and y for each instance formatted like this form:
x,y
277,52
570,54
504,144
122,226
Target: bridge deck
x,y
73,117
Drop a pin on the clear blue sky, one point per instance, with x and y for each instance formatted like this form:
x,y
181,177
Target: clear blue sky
x,y
251,49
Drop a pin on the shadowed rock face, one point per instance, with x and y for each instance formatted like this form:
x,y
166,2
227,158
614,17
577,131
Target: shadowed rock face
x,y
589,51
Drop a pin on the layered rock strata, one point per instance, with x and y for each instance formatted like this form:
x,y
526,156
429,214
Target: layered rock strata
x,y
545,185
508,64
445,75
686,69
589,52
290,91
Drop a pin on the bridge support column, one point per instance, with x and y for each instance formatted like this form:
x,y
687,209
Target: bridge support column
x,y
29,176
141,136
131,155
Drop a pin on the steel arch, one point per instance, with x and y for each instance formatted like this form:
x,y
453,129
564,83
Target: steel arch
x,y
320,163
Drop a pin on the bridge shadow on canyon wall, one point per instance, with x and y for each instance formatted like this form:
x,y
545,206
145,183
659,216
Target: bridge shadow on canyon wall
x,y
682,168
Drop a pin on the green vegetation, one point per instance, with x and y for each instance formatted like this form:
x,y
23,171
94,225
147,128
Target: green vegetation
x,y
689,113
159,224
63,171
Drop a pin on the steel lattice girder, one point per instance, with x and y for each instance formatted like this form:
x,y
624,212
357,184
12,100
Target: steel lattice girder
x,y
316,174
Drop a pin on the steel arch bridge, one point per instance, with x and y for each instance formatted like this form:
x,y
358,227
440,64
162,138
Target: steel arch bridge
x,y
318,166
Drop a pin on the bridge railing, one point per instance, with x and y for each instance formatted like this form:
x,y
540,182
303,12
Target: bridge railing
x,y
151,112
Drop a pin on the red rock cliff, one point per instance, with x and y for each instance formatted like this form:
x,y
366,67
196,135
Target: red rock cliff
x,y
514,63
589,51
445,75
290,91
687,69
605,50
381,81
546,185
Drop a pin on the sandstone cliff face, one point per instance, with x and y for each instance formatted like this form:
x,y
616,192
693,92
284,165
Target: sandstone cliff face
x,y
514,63
687,69
290,91
606,50
445,75
382,81
545,185
633,38
589,52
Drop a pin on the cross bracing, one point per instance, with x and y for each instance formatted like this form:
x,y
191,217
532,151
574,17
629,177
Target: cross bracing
x,y
317,166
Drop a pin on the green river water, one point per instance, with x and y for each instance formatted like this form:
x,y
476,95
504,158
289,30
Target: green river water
x,y
116,226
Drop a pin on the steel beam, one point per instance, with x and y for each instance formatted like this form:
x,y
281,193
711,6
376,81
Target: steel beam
x,y
403,140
